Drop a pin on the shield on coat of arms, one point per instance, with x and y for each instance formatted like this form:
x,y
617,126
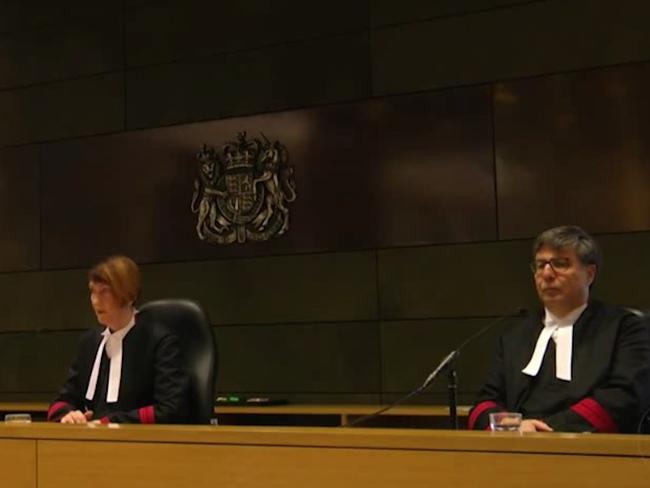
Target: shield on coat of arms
x,y
243,202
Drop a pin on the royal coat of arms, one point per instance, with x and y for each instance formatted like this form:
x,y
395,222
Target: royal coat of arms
x,y
241,193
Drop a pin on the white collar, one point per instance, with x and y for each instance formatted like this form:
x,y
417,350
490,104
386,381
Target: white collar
x,y
561,330
112,341
551,320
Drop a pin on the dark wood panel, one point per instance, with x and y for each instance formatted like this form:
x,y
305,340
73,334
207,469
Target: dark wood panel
x,y
411,350
431,167
507,43
72,108
274,78
36,301
387,12
574,149
383,172
471,280
623,278
19,209
35,362
310,358
279,289
24,15
45,55
159,32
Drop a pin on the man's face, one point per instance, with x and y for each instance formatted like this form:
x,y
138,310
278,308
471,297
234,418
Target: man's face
x,y
562,281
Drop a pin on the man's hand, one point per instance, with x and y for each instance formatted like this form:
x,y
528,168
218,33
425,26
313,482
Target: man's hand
x,y
534,425
77,417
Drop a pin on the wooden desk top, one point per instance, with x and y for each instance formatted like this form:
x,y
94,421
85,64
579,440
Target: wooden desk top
x,y
17,407
38,455
289,409
409,410
409,439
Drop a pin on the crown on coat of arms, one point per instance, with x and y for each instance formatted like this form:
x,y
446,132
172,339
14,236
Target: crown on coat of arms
x,y
241,154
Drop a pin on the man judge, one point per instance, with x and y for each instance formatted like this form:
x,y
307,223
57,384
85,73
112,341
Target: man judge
x,y
579,365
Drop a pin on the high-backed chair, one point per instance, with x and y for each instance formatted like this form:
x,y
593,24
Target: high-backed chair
x,y
644,422
189,322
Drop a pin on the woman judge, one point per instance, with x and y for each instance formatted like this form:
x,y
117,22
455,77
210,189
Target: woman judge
x,y
131,371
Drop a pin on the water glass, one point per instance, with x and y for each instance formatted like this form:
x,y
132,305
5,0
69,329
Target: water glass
x,y
505,421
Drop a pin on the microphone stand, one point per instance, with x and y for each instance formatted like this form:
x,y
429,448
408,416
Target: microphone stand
x,y
452,387
446,362
452,379
452,384
444,365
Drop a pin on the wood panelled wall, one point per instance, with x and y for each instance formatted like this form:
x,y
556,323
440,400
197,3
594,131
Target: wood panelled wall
x,y
431,142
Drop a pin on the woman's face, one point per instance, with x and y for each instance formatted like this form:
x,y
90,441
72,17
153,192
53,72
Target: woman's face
x,y
106,306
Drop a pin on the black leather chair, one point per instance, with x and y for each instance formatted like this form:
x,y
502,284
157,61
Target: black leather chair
x,y
189,322
644,423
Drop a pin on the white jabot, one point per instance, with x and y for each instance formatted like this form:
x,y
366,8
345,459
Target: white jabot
x,y
561,330
112,342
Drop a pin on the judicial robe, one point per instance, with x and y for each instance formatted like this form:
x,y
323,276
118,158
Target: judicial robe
x,y
610,385
153,387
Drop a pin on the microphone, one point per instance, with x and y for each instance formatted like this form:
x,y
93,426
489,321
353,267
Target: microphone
x,y
446,362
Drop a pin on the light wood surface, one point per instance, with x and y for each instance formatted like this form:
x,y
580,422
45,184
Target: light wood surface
x,y
17,463
337,437
408,410
198,466
300,409
344,412
18,407
243,457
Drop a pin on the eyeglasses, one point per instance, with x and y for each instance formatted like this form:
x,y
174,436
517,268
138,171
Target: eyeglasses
x,y
558,265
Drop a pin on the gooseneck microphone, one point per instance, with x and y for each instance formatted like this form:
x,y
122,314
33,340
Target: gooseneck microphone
x,y
445,364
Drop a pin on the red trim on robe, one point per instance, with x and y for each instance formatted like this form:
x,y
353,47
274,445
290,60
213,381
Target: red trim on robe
x,y
55,407
595,414
478,410
147,415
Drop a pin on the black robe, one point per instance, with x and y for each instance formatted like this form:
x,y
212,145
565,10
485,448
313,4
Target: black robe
x,y
153,387
610,385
